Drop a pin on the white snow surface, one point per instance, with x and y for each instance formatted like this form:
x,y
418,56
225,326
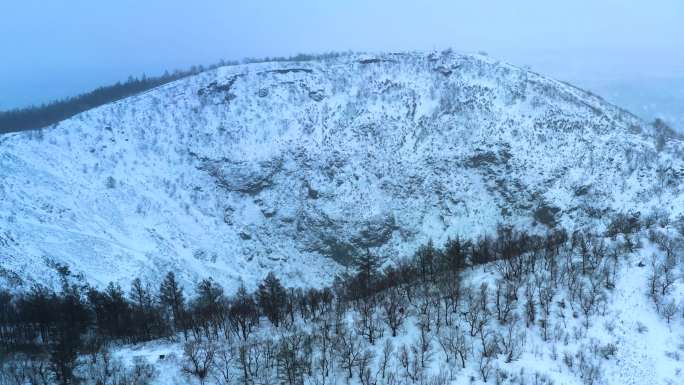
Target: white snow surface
x,y
296,167
647,349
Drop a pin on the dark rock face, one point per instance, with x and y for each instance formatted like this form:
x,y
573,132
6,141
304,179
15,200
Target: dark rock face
x,y
483,158
375,233
214,89
243,177
582,190
332,238
317,95
287,71
546,215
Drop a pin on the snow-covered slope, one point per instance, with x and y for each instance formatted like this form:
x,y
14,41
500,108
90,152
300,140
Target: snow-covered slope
x,y
624,340
297,167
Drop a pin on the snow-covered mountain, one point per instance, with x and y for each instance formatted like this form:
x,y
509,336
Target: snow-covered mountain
x,y
298,167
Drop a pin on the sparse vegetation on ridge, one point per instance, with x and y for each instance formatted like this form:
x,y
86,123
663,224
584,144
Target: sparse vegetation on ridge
x,y
45,115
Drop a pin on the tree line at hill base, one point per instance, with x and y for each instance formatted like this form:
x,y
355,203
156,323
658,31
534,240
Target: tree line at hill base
x,y
343,332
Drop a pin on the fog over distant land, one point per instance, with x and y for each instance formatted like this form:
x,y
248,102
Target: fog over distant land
x,y
621,49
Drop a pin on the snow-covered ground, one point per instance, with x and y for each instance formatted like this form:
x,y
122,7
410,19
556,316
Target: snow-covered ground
x,y
625,341
299,167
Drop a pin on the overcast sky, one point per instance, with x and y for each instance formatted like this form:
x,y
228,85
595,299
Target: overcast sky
x,y
57,48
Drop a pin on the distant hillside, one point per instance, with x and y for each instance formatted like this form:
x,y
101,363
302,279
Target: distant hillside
x,y
300,167
649,98
37,117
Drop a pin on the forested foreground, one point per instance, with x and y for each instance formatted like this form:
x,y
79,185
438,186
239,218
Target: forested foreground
x,y
479,311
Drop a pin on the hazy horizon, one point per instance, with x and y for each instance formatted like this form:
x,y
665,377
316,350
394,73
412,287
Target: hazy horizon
x,y
67,48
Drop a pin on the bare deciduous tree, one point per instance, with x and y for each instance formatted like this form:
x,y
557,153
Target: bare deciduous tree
x,y
224,368
387,350
348,347
199,359
393,311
